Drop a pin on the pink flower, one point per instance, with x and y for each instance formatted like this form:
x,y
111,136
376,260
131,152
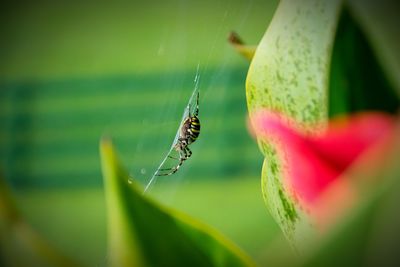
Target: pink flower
x,y
317,166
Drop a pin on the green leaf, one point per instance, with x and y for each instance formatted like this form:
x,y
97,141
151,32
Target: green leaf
x,y
143,233
20,244
357,80
290,73
379,21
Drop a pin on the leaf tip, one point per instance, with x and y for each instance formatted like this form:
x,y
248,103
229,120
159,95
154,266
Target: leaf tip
x,y
245,50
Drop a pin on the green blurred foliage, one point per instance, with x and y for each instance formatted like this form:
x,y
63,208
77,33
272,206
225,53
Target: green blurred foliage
x,y
71,71
22,245
357,80
143,233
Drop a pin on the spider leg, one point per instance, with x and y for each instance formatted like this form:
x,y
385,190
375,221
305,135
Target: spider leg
x,y
182,157
185,153
171,157
196,113
172,170
188,152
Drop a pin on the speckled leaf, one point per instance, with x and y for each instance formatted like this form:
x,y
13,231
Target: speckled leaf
x,y
289,74
143,233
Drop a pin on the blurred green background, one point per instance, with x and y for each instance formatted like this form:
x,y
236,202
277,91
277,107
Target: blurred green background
x,y
72,71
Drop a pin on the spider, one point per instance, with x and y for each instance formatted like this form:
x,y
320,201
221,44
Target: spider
x,y
188,133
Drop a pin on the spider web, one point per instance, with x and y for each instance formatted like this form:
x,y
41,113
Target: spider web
x,y
217,35
189,109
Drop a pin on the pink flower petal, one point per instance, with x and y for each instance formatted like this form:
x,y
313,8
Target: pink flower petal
x,y
314,162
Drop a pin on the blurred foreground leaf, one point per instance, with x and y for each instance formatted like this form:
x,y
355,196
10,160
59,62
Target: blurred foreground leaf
x,y
20,244
142,233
